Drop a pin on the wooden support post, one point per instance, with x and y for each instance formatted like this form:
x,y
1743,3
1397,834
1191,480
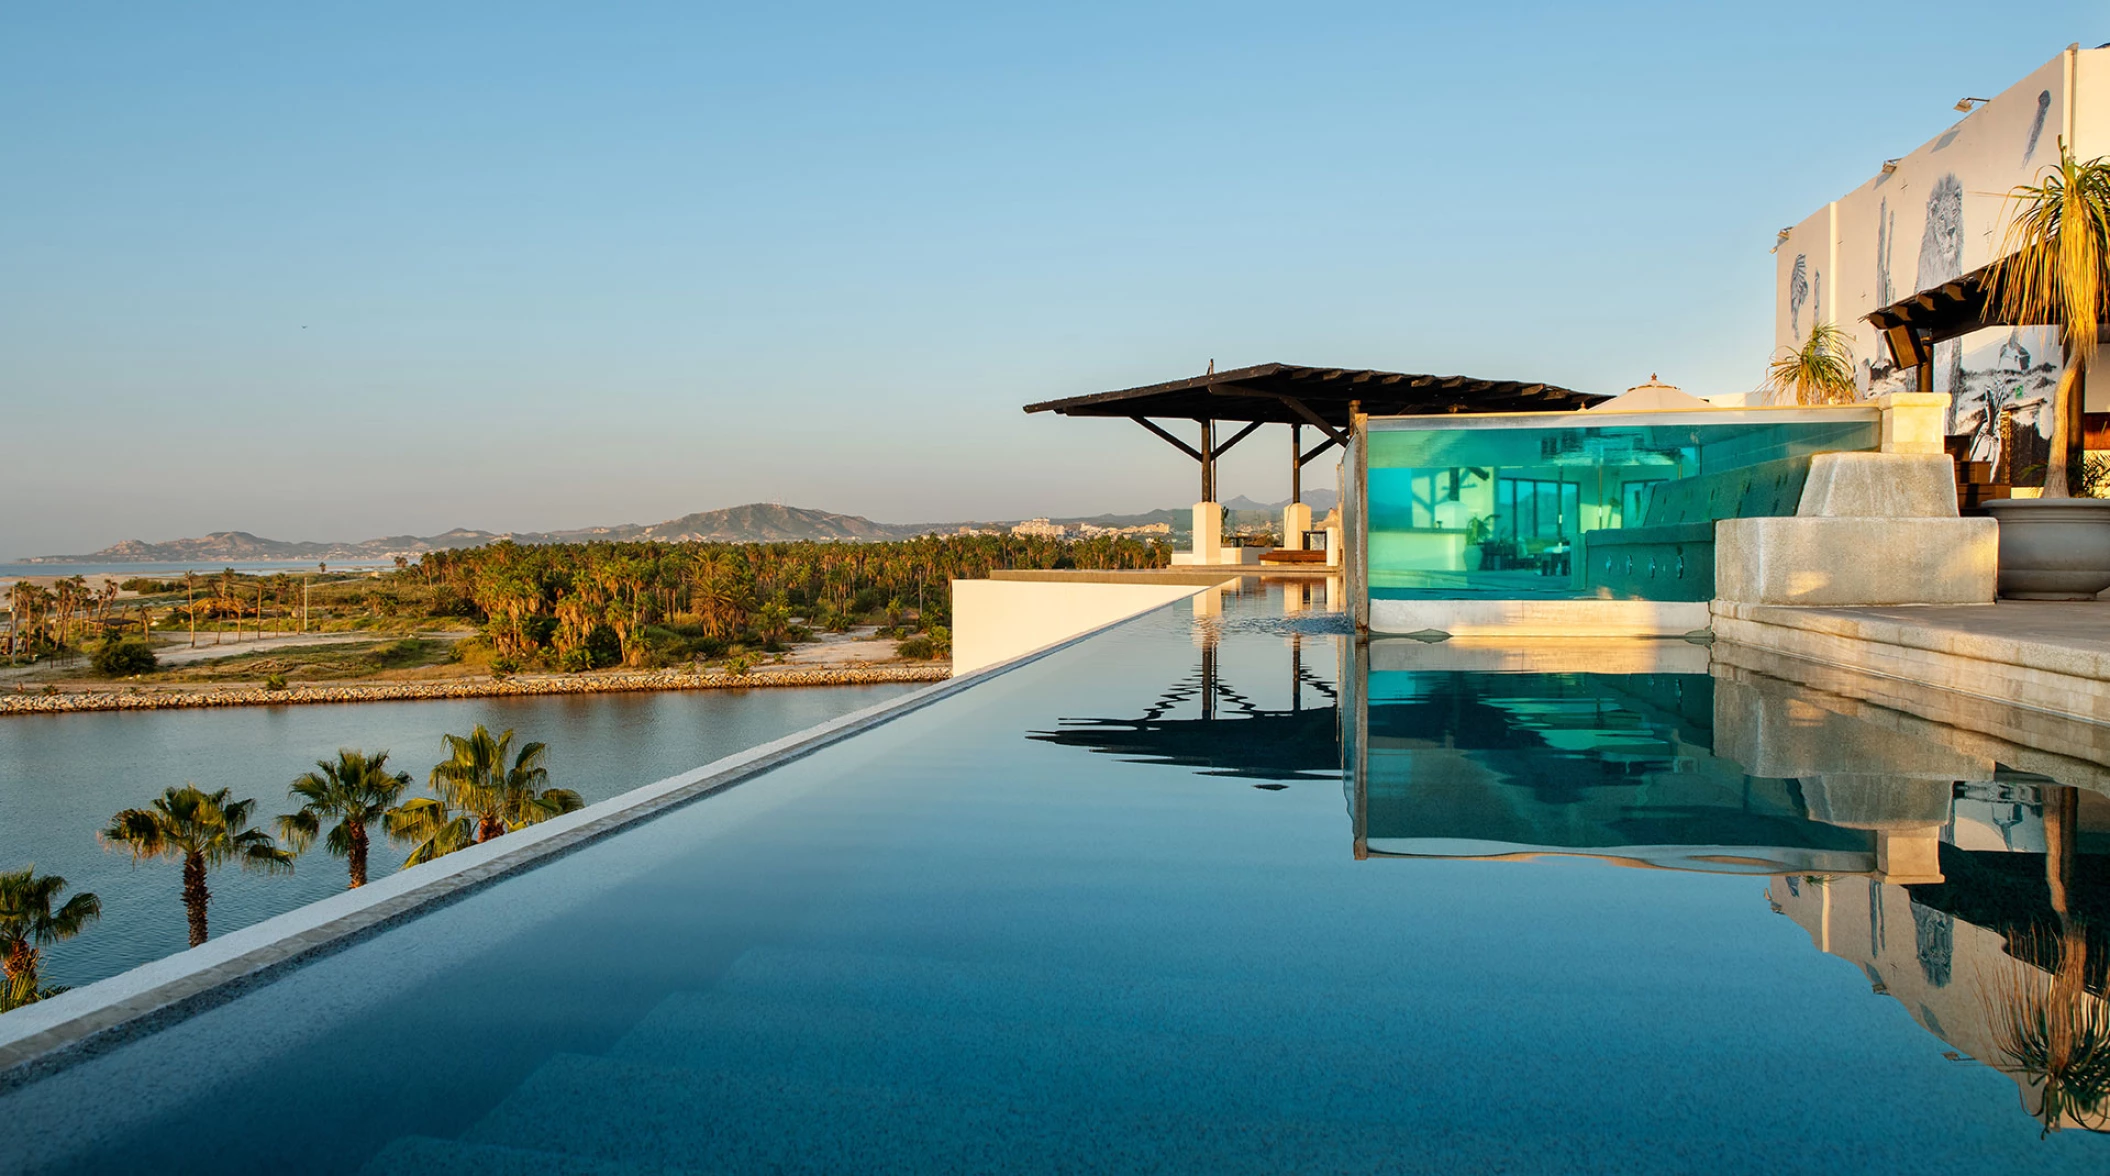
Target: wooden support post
x,y
1296,466
1208,461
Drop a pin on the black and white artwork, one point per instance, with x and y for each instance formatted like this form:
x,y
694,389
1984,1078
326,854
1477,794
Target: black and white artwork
x,y
2036,126
1798,292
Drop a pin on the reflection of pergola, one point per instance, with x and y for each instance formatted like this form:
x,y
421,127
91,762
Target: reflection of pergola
x,y
1232,736
1325,399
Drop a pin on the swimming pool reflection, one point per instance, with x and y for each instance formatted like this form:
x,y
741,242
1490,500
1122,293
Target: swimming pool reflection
x,y
1973,892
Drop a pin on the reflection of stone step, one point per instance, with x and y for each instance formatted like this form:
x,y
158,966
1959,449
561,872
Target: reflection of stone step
x,y
419,1155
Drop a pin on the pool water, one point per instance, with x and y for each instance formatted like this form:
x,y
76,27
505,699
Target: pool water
x,y
1212,893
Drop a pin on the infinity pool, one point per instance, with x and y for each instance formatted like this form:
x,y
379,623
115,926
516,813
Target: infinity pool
x,y
1210,893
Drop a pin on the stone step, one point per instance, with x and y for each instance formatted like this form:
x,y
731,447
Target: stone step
x,y
423,1155
1224,1003
1083,1061
741,1121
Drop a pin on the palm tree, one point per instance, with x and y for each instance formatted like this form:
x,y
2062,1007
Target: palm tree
x,y
28,922
1821,371
203,830
2055,268
476,780
437,829
357,790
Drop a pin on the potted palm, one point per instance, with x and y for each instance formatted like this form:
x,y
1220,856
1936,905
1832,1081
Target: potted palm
x,y
1821,371
2053,270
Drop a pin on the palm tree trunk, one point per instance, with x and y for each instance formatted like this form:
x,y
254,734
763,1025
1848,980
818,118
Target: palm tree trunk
x,y
195,896
2057,482
21,971
357,836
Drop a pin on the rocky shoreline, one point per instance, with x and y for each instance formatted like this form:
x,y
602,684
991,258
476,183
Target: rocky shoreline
x,y
536,684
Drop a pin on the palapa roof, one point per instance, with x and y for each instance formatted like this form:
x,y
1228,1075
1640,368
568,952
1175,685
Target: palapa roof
x,y
1281,393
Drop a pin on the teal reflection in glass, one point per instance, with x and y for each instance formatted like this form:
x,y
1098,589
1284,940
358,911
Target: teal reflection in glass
x,y
1516,508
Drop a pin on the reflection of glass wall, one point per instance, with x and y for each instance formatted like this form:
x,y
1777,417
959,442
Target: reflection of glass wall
x,y
1522,507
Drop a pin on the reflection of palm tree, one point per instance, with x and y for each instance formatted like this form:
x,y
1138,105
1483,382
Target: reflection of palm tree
x,y
2054,1033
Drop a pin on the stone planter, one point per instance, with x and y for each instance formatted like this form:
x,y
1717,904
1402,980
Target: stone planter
x,y
2053,548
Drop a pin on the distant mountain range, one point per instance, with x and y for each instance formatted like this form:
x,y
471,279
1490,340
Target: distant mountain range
x,y
757,522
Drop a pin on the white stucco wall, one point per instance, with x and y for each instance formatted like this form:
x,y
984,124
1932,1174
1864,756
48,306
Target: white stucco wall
x,y
997,620
1940,214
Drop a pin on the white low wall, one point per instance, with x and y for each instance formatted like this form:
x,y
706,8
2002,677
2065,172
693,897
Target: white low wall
x,y
1539,618
996,620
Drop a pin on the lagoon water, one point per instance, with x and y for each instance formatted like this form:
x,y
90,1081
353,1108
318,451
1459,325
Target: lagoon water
x,y
63,776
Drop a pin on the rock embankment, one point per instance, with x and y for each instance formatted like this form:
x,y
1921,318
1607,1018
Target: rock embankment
x,y
136,698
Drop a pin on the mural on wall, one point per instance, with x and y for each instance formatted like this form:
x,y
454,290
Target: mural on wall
x,y
1941,260
2036,126
1955,187
1798,293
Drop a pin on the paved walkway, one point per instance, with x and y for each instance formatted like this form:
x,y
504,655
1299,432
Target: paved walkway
x,y
2048,655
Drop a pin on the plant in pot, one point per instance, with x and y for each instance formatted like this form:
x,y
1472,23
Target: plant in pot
x,y
1478,530
2053,270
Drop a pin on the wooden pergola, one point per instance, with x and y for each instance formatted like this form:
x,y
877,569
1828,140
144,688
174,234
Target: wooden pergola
x,y
1325,399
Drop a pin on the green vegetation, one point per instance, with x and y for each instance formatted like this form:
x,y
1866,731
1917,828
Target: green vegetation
x,y
119,658
203,830
484,789
1821,371
2055,268
355,791
579,606
557,607
28,923
476,781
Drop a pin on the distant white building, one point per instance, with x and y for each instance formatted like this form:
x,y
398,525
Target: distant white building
x,y
1039,529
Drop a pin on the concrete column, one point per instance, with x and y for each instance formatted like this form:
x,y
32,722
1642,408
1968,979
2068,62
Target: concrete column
x,y
1296,519
1208,533
1914,422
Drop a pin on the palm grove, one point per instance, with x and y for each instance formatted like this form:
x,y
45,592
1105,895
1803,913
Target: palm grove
x,y
572,606
485,788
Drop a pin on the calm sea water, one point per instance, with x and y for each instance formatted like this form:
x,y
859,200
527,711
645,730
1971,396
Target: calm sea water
x,y
63,776
1215,894
10,572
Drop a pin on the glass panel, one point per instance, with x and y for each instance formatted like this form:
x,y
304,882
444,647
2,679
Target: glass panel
x,y
1523,508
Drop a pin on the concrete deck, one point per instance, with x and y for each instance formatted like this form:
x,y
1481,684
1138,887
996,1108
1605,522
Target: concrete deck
x,y
2044,655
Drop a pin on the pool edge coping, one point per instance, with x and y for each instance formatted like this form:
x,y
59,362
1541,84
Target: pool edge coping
x,y
53,1035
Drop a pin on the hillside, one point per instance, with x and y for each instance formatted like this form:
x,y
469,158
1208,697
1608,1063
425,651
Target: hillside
x,y
759,522
756,522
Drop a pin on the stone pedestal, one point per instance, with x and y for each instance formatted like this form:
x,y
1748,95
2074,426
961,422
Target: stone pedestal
x,y
1914,422
1296,519
1208,533
1871,529
1909,857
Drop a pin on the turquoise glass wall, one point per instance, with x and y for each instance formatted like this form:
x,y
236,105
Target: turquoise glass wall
x,y
1515,508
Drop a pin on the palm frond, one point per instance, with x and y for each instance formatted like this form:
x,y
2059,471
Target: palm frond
x,y
1821,371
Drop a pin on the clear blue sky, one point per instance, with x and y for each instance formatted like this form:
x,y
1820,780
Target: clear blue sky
x,y
332,272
